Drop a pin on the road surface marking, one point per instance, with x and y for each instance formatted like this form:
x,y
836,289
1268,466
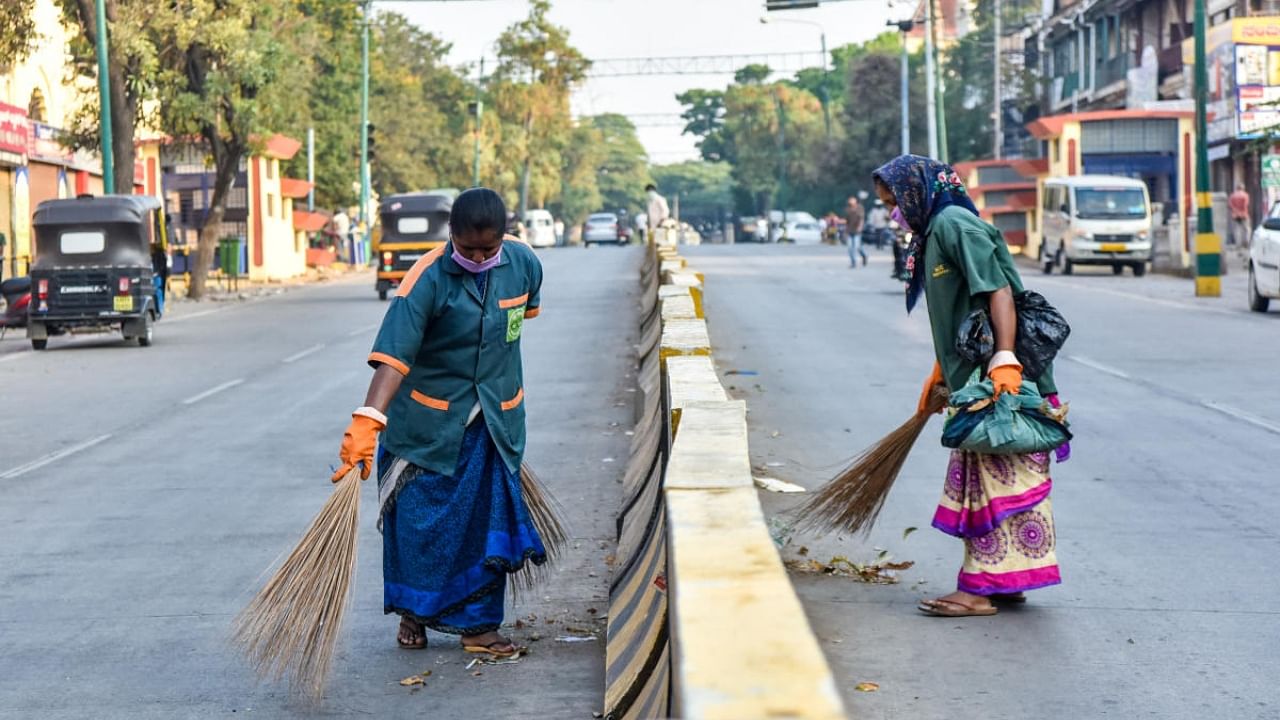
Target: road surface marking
x,y
1239,414
299,355
1146,298
1099,366
363,330
202,313
52,458
212,391
15,356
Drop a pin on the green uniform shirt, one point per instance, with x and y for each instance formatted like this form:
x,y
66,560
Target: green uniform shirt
x,y
964,259
455,348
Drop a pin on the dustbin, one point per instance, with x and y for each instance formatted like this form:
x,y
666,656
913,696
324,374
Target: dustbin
x,y
229,256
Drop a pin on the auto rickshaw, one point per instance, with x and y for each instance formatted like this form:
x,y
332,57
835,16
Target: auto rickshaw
x,y
411,225
99,265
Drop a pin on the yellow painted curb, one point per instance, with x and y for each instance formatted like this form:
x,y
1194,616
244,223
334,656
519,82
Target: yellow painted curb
x,y
691,378
679,307
684,337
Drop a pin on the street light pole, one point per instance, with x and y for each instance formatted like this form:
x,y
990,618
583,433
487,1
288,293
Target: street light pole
x,y
998,120
364,119
939,86
905,27
104,103
1208,244
930,80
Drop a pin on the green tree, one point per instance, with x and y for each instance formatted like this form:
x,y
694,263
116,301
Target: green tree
x,y
777,133
968,99
228,77
131,69
17,31
418,105
704,119
579,180
623,170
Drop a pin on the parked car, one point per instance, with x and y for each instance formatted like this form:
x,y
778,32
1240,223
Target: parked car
x,y
601,228
540,228
1264,262
797,221
1095,220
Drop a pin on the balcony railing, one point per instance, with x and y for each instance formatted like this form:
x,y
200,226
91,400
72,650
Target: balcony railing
x,y
1113,70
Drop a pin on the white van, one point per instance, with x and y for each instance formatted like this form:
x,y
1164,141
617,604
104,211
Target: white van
x,y
1095,220
540,228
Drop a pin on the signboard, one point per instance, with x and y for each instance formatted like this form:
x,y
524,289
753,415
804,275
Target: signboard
x,y
14,133
1271,171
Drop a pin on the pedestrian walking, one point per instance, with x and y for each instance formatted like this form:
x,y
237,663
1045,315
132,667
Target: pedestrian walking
x,y
997,504
878,223
853,218
657,211
447,397
1238,203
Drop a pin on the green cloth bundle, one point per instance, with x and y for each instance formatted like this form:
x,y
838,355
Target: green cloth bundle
x,y
1009,425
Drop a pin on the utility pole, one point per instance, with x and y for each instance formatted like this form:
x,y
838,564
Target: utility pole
x,y
366,226
997,141
1208,244
905,27
783,199
311,168
930,80
939,87
826,78
104,103
475,156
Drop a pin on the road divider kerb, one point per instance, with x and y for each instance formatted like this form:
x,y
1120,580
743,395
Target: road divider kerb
x,y
722,633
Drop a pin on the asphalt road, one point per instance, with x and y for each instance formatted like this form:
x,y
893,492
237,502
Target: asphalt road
x,y
144,492
1165,515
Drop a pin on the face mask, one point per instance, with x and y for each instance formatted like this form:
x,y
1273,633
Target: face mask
x,y
896,216
477,267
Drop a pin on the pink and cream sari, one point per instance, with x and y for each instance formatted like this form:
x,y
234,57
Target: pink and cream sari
x,y
999,505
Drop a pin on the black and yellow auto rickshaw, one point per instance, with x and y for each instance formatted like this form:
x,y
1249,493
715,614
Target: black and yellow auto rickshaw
x,y
99,265
411,225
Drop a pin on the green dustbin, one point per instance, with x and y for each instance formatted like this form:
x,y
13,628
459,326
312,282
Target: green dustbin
x,y
229,256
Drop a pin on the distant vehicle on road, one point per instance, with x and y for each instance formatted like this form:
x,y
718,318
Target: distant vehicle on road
x,y
1095,220
1264,262
96,268
540,228
798,221
601,228
412,225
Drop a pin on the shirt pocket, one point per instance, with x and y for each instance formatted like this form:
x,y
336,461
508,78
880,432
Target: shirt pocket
x,y
513,310
513,417
428,401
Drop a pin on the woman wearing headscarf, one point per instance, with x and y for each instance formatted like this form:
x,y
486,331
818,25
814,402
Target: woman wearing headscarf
x,y
445,412
997,504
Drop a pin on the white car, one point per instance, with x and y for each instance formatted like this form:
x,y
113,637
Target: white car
x,y
1264,262
601,228
540,228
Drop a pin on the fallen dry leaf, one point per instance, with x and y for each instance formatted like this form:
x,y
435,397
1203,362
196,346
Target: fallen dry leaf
x,y
866,687
906,533
412,680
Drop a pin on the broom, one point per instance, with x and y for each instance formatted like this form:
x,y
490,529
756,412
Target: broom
x,y
851,501
291,626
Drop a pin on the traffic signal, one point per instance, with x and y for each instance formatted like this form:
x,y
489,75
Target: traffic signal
x,y
372,141
771,5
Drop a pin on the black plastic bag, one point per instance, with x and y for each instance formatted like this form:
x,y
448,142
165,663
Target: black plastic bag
x,y
1042,331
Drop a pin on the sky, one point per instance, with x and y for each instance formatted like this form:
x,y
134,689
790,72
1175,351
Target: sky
x,y
655,28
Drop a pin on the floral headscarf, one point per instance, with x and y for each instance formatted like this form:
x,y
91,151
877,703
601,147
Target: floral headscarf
x,y
922,187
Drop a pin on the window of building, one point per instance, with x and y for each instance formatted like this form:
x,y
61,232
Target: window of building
x,y
271,205
271,169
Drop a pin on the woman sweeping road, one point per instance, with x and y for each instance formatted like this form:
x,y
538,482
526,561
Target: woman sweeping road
x,y
998,504
447,396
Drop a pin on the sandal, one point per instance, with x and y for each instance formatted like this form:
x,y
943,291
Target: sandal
x,y
953,609
416,634
492,649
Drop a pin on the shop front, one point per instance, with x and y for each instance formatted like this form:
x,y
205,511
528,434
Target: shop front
x,y
15,132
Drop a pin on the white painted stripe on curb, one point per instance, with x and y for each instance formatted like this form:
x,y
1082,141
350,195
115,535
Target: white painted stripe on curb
x,y
1099,366
299,355
1239,414
52,457
212,391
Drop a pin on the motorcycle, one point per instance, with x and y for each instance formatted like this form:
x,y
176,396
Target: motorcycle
x,y
17,298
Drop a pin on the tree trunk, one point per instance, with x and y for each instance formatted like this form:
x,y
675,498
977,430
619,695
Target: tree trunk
x,y
225,174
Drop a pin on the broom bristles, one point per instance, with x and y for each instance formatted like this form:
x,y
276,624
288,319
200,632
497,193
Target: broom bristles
x,y
547,520
851,502
291,626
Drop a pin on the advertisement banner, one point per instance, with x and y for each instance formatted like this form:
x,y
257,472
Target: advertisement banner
x,y
14,133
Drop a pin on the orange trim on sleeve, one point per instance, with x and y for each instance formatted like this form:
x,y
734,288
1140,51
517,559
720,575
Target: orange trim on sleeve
x,y
514,402
532,312
424,262
513,302
433,403
388,360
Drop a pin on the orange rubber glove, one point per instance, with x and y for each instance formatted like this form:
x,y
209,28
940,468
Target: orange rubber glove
x,y
935,379
1006,376
360,441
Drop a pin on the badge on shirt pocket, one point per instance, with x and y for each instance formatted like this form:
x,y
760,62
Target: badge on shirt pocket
x,y
515,323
